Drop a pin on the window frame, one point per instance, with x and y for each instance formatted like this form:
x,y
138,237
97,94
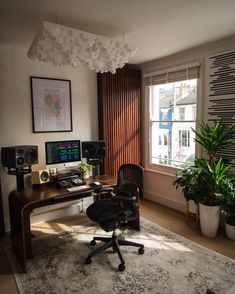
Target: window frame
x,y
159,168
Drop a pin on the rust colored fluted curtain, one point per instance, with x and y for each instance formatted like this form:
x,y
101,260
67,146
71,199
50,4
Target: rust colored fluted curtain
x,y
119,117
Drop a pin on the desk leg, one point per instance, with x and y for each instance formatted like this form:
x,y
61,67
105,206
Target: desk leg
x,y
26,233
17,239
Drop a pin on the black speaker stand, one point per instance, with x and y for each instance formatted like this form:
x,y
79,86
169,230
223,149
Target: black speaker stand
x,y
19,173
96,162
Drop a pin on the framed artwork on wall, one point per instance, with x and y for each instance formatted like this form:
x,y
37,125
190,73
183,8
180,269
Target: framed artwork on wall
x,y
51,105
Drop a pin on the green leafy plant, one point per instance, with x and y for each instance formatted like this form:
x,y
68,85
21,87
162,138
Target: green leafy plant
x,y
214,138
207,179
84,167
215,180
228,209
228,206
191,181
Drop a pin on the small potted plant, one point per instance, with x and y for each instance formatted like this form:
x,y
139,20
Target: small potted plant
x,y
228,210
191,181
192,184
85,168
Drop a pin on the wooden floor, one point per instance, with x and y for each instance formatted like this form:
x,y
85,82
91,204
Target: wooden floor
x,y
163,216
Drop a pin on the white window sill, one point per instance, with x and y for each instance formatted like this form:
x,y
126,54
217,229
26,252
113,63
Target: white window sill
x,y
165,170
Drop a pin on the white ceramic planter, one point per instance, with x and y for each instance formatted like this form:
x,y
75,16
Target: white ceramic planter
x,y
85,175
209,220
230,231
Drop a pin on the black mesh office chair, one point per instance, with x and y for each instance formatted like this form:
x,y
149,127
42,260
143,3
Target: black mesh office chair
x,y
119,209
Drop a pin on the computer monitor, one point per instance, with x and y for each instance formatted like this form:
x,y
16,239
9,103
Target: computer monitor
x,y
63,154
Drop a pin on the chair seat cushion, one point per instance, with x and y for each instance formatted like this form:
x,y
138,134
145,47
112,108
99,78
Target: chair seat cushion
x,y
107,213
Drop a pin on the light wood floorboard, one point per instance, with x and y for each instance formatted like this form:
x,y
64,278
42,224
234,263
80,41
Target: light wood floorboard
x,y
163,216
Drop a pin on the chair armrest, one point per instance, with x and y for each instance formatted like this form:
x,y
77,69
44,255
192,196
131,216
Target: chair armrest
x,y
100,190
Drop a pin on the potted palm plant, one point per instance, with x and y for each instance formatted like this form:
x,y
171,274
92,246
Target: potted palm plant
x,y
210,175
216,178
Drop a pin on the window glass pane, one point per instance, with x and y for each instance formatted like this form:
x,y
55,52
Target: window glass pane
x,y
173,115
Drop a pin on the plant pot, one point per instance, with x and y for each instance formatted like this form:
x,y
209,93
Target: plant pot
x,y
230,231
85,175
209,220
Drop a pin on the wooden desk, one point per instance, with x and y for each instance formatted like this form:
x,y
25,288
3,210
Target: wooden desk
x,y
22,203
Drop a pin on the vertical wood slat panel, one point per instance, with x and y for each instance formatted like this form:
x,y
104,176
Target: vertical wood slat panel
x,y
119,117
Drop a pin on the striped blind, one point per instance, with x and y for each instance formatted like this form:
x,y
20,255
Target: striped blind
x,y
181,73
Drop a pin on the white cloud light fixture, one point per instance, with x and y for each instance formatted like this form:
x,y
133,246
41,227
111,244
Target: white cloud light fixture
x,y
62,45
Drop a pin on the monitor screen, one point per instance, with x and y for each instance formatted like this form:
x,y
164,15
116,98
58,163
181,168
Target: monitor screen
x,y
63,153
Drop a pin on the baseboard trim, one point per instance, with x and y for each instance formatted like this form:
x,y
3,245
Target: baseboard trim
x,y
165,201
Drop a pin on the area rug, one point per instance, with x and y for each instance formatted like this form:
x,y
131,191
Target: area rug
x,y
170,264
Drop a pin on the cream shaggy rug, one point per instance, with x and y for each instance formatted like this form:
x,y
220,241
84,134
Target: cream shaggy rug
x,y
171,264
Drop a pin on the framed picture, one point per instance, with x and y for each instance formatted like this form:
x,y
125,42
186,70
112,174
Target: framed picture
x,y
51,105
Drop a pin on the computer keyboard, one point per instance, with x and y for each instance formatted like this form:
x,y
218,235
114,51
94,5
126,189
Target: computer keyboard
x,y
78,188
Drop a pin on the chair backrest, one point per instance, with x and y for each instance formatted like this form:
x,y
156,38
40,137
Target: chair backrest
x,y
130,180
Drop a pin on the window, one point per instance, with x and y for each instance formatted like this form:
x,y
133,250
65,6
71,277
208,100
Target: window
x,y
172,115
184,138
182,113
164,117
194,112
165,140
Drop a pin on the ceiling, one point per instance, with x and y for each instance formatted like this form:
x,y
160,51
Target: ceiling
x,y
156,28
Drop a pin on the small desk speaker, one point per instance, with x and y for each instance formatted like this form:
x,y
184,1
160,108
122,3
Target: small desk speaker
x,y
40,177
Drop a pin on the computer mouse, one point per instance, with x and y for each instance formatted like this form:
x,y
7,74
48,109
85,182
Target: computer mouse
x,y
97,183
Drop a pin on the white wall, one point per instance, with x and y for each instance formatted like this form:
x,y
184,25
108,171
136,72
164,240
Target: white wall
x,y
16,112
158,184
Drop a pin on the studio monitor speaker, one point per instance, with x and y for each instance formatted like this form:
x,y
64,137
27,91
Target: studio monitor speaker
x,y
93,149
40,177
19,156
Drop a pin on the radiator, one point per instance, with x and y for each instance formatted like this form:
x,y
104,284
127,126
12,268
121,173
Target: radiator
x,y
52,207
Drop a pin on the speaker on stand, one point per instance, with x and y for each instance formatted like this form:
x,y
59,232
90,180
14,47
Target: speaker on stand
x,y
94,152
18,160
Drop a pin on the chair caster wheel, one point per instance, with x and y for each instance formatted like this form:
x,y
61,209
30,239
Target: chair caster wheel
x,y
88,260
121,267
92,243
141,250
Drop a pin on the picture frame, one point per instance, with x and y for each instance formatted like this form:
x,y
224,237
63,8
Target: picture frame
x,y
51,105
